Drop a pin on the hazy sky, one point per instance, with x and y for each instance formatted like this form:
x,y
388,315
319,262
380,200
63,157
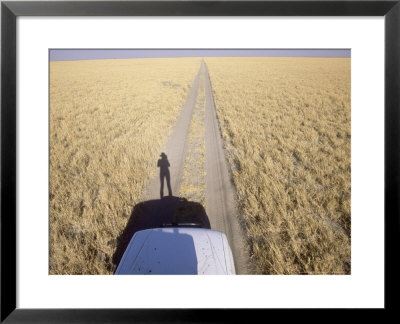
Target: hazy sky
x,y
92,54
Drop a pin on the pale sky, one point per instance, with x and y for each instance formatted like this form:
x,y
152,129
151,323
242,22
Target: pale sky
x,y
93,54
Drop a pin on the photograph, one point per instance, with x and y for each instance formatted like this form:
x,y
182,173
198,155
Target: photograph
x,y
200,161
253,143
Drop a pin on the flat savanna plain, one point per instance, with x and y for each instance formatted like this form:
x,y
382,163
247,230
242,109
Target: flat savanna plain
x,y
286,128
109,119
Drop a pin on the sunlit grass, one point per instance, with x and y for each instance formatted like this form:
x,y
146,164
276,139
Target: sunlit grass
x,y
286,128
108,121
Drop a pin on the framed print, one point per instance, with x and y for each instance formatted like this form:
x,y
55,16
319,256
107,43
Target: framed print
x,y
132,131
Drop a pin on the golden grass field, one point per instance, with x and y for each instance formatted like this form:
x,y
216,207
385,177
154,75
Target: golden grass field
x,y
109,120
286,128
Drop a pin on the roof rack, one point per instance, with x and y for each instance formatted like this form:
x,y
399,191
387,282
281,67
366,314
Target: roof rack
x,y
180,224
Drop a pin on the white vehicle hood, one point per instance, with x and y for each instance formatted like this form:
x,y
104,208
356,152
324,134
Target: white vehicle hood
x,y
177,251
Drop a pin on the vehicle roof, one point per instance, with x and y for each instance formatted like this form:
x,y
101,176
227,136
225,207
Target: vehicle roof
x,y
177,250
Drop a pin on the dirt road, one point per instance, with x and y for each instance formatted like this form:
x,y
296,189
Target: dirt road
x,y
219,190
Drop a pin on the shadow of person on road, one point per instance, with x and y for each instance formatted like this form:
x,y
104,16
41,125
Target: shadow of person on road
x,y
167,212
163,164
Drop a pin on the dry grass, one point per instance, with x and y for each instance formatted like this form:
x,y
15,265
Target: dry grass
x,y
286,128
108,121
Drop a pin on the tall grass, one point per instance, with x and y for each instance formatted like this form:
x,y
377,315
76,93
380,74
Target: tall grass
x,y
108,121
286,129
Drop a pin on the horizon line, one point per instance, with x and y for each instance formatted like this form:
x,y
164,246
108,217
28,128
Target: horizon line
x,y
102,54
177,57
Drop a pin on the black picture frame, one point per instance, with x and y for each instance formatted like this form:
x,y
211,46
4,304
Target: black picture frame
x,y
11,10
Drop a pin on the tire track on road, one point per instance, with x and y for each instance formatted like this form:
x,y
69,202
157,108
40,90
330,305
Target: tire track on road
x,y
220,192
